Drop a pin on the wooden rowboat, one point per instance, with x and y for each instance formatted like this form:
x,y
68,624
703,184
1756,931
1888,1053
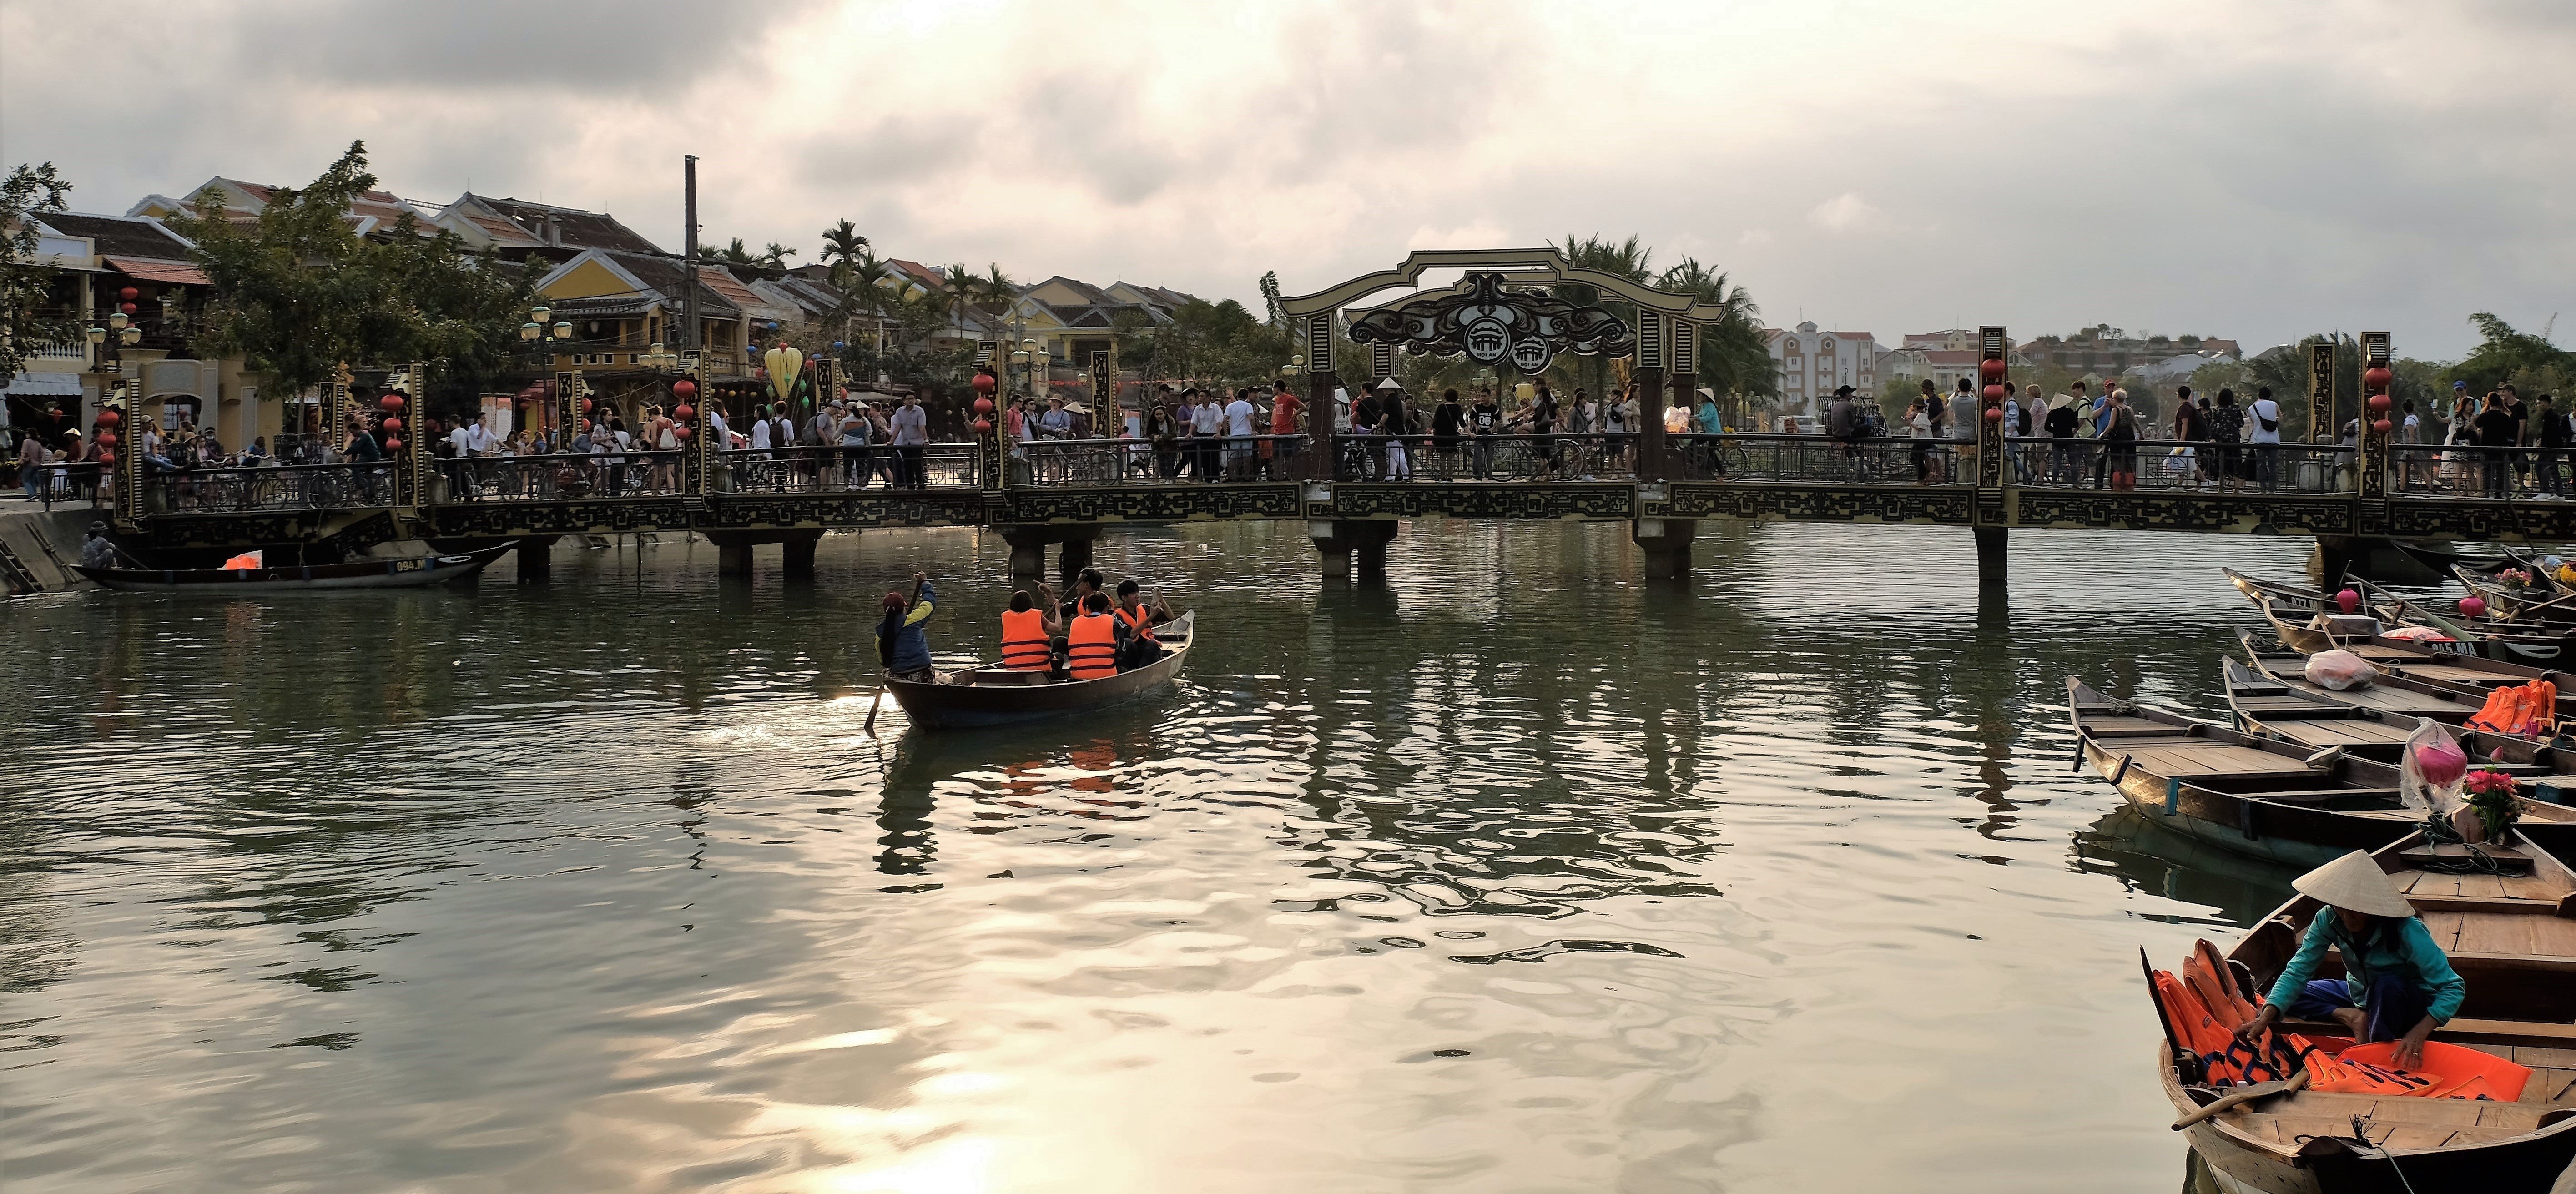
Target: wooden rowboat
x,y
2512,938
2258,796
2304,619
992,695
2313,717
399,572
2470,675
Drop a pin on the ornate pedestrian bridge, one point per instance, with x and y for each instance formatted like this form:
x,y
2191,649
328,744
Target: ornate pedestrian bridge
x,y
1513,311
1352,491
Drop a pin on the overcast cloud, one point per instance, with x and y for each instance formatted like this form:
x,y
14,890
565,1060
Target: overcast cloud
x,y
2255,171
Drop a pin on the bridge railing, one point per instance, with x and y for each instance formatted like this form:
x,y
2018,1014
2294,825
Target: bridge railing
x,y
1095,462
1585,457
815,468
563,476
345,486
2178,465
1869,460
2471,471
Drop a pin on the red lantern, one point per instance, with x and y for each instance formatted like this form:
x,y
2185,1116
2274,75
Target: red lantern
x,y
393,445
2473,606
983,406
2377,377
984,383
128,308
129,294
110,418
684,412
107,439
983,426
2379,404
588,405
2349,601
1991,370
2381,426
684,389
682,432
1994,414
392,424
1994,393
107,458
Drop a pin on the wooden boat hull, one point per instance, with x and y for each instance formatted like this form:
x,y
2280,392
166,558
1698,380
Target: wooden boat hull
x,y
408,572
948,704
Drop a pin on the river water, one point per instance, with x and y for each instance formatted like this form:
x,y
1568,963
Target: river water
x,y
1518,873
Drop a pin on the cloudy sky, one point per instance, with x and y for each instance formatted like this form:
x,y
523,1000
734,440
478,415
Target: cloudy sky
x,y
2254,171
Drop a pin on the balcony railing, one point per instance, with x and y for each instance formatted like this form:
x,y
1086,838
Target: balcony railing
x,y
1813,458
267,487
816,469
2173,465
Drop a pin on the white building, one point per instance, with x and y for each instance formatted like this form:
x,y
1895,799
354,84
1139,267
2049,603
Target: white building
x,y
1814,363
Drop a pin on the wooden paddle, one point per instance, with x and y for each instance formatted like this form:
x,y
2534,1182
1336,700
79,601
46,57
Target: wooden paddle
x,y
878,698
2232,1099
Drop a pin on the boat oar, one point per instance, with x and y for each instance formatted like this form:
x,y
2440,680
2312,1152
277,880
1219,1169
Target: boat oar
x,y
2229,1101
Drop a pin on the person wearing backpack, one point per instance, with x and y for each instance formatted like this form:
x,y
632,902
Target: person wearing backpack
x,y
2266,415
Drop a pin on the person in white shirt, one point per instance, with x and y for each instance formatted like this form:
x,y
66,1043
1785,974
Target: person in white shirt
x,y
911,432
2265,417
1238,436
1207,426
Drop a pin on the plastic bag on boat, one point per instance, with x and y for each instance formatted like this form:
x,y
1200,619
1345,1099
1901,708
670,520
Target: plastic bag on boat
x,y
2432,770
2415,634
2340,670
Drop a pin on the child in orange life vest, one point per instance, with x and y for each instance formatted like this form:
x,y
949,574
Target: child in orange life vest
x,y
1091,642
2397,983
1136,622
1028,634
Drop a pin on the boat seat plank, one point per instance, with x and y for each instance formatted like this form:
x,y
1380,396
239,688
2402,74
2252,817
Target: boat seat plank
x,y
2553,937
2112,724
2213,758
2550,1086
2548,1056
2481,885
2444,926
2497,935
2485,904
2431,883
2456,1113
2340,732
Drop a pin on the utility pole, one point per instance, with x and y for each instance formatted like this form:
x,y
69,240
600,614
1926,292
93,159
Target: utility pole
x,y
689,287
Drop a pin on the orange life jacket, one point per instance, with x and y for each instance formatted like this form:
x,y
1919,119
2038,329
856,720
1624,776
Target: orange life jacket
x,y
2203,1010
2449,1072
2524,709
1024,640
1091,647
1141,621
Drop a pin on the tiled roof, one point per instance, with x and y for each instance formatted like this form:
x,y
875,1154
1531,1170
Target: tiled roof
x,y
573,227
667,278
144,269
727,285
920,273
119,235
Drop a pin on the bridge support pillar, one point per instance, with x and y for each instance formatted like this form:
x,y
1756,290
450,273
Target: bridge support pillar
x,y
1667,543
536,560
799,551
733,555
1029,544
1340,541
1990,555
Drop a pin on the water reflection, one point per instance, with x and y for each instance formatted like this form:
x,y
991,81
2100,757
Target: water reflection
x,y
1512,868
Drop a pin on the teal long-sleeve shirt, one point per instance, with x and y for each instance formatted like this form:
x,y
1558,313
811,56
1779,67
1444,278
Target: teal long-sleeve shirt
x,y
2402,947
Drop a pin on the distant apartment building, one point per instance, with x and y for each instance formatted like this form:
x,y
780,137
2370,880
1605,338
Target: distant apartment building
x,y
1813,363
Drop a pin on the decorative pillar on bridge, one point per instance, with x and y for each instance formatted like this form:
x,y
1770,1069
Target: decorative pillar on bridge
x,y
2322,428
411,463
1654,337
1991,517
1320,382
698,470
129,454
1685,393
2373,465
568,396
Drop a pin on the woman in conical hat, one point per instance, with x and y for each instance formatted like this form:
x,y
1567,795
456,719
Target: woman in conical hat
x,y
2397,984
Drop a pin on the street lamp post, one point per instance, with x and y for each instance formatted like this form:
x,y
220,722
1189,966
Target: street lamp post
x,y
545,342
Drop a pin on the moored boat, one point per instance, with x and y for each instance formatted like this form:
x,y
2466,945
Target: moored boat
x,y
992,695
391,572
2255,795
2508,924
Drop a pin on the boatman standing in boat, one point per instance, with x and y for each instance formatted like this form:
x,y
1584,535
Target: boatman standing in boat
x,y
2397,984
902,646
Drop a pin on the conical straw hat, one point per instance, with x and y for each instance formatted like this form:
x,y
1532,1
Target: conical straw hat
x,y
2354,881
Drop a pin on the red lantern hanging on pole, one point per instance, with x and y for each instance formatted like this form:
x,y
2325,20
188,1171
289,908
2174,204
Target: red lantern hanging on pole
x,y
684,389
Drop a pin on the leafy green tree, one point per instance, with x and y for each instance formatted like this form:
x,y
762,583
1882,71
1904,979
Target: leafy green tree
x,y
842,242
1733,356
30,315
2503,352
299,293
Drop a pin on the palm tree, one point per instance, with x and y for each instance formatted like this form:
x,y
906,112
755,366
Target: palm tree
x,y
999,289
1627,260
1733,356
775,255
734,254
842,242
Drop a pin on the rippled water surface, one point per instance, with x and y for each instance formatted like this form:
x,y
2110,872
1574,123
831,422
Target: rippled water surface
x,y
1518,873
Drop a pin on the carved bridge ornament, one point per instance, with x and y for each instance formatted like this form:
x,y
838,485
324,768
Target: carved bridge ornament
x,y
1492,324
